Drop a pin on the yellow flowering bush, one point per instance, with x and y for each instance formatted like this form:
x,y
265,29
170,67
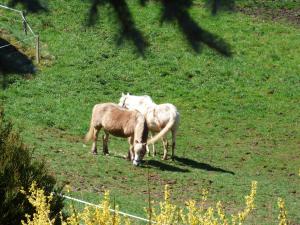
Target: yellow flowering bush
x,y
89,216
241,216
195,213
282,212
99,216
167,214
41,202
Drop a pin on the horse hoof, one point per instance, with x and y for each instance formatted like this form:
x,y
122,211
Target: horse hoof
x,y
95,153
136,163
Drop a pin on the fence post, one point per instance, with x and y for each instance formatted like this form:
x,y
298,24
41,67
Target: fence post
x,y
24,22
37,49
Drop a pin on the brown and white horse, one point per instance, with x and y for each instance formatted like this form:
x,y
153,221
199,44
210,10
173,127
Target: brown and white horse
x,y
119,122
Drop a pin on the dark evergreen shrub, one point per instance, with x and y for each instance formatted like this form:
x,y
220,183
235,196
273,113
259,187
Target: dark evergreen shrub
x,y
18,169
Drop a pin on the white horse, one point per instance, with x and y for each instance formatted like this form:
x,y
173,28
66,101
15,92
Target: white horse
x,y
160,118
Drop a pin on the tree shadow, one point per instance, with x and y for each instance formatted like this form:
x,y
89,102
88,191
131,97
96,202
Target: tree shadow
x,y
172,11
163,166
203,166
220,5
177,11
128,29
143,2
12,61
33,6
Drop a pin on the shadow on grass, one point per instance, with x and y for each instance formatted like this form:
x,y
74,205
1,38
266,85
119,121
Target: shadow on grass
x,y
33,6
12,61
220,5
178,11
203,166
155,164
163,166
128,29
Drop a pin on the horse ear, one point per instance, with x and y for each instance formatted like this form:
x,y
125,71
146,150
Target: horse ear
x,y
127,94
123,94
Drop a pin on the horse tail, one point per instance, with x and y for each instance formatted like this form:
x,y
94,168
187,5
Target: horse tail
x,y
162,133
89,135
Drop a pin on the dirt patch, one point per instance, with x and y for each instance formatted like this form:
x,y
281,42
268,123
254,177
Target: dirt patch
x,y
289,15
60,134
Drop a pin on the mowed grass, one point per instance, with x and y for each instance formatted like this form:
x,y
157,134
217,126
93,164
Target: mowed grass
x,y
239,114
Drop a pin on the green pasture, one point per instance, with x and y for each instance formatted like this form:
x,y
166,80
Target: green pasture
x,y
237,89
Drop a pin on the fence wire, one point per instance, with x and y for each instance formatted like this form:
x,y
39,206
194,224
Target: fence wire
x,y
21,41
22,20
112,210
15,16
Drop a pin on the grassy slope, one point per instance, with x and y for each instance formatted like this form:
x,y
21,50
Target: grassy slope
x,y
239,114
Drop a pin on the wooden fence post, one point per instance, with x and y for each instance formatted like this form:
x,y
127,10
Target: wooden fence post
x,y
37,49
24,22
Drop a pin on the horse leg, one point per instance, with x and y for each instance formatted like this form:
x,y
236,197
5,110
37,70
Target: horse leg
x,y
105,143
148,150
130,155
147,146
153,147
174,130
166,146
95,137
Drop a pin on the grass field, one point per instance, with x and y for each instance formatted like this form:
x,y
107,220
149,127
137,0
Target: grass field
x,y
236,88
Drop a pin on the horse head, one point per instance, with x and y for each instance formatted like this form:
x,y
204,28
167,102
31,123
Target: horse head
x,y
140,103
122,101
139,152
